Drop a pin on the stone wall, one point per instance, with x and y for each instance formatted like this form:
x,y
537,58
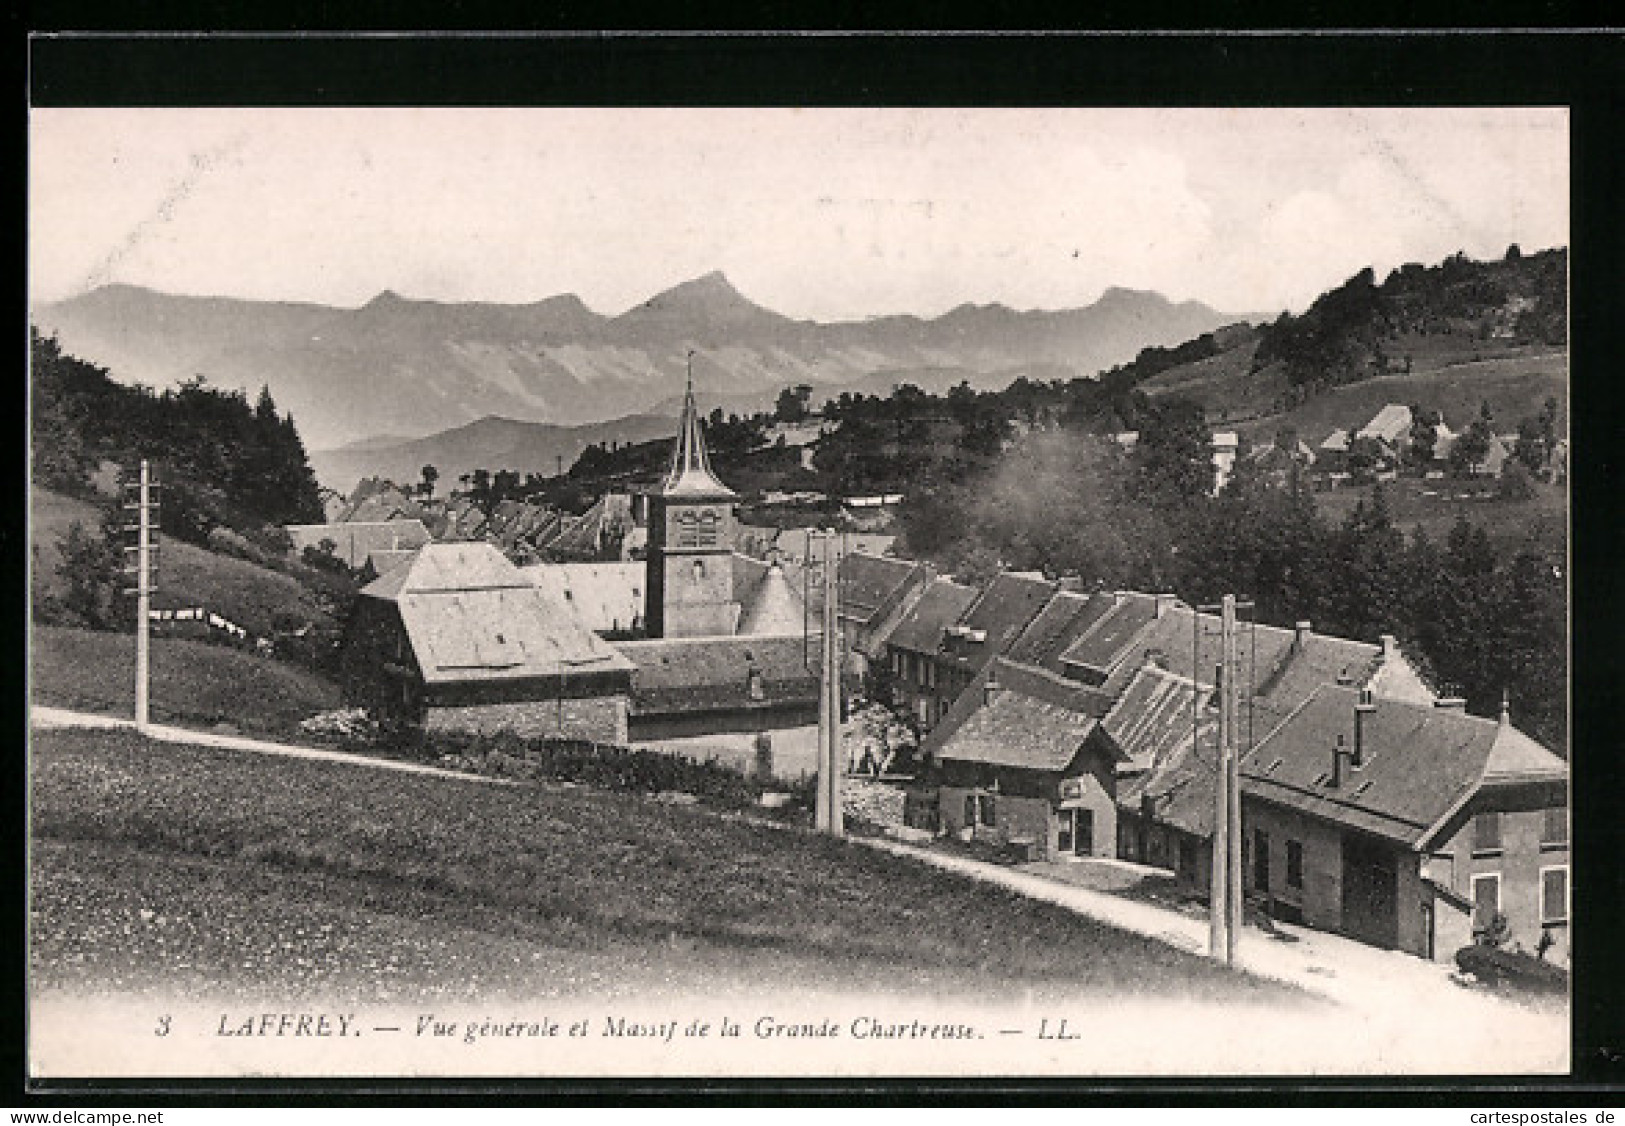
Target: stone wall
x,y
600,719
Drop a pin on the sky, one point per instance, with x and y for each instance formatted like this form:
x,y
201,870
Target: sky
x,y
826,214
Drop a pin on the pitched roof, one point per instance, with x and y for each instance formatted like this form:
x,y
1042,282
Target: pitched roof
x,y
997,617
1188,644
867,583
1180,790
1022,728
1392,422
1337,441
773,606
1103,644
607,597
1319,659
471,615
1054,628
1420,763
1022,680
677,675
940,605
1154,717
354,541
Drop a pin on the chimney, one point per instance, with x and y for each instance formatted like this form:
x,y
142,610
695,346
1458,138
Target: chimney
x,y
1364,708
990,688
1450,704
1338,754
1164,602
1390,647
1300,636
1506,710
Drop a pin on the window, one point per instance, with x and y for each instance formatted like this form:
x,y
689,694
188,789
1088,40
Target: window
x,y
985,802
970,809
1554,830
754,681
699,571
1294,864
1554,895
1486,899
1261,860
1486,834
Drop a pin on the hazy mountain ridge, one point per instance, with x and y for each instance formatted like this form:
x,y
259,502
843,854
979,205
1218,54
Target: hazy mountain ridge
x,y
398,365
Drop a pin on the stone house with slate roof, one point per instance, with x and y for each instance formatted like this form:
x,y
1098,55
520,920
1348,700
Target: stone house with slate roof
x,y
1025,766
456,639
873,595
1407,825
987,628
914,644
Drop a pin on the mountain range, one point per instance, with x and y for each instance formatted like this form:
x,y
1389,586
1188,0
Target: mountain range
x,y
399,368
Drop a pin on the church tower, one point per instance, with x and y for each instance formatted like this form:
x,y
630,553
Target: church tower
x,y
689,590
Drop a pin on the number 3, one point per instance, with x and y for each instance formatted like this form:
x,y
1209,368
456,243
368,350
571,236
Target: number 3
x,y
163,1026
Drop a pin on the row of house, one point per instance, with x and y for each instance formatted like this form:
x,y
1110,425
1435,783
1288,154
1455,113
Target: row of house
x,y
1078,723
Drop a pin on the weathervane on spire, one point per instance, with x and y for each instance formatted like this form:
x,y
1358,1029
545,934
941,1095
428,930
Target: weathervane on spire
x,y
691,371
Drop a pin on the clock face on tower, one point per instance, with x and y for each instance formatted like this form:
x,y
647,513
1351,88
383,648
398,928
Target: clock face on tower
x,y
696,527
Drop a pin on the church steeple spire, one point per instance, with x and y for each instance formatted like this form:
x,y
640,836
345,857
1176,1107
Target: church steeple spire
x,y
689,473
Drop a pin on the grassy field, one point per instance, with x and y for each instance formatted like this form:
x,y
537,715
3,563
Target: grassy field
x,y
156,866
254,597
193,682
1436,505
1516,387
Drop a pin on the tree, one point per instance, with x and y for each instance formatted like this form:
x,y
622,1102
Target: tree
x,y
792,403
430,476
91,569
1470,449
1175,450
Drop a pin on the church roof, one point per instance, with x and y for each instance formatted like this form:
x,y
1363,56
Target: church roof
x,y
773,606
471,615
689,474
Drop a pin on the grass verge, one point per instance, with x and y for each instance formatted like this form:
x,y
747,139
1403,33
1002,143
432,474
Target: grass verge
x,y
167,866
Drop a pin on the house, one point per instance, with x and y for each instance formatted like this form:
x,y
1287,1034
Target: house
x,y
986,629
1163,727
1407,825
1225,446
1164,691
1278,466
1025,768
912,649
354,540
873,595
1332,456
457,639
1391,426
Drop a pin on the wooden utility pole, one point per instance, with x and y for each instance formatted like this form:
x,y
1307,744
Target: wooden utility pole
x,y
1225,897
1234,898
829,817
1218,913
144,566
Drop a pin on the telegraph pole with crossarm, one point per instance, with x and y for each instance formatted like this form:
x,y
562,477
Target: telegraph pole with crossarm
x,y
144,571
